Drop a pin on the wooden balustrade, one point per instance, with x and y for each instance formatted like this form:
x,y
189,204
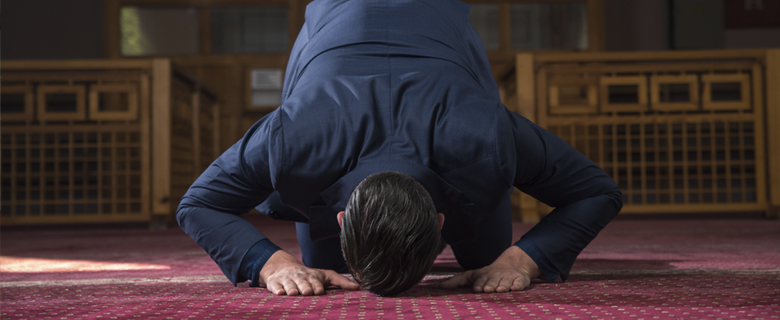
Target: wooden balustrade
x,y
101,141
678,131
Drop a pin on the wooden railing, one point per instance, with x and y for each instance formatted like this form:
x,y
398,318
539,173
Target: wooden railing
x,y
678,131
101,141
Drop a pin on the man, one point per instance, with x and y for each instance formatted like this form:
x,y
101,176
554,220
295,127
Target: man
x,y
390,130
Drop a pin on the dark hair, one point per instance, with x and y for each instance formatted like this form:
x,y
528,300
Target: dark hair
x,y
390,233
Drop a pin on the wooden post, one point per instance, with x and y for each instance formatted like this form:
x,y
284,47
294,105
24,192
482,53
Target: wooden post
x,y
161,137
111,29
216,129
196,142
596,25
526,106
773,130
526,94
146,148
204,18
758,132
504,26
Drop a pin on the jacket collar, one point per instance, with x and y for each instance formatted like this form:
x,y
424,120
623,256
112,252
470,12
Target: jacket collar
x,y
460,218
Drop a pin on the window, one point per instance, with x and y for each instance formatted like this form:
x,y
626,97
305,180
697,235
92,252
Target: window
x,y
484,18
147,31
249,30
542,26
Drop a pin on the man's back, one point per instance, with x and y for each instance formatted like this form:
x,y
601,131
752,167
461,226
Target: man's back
x,y
373,81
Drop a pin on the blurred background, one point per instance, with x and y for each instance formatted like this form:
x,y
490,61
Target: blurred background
x,y
110,108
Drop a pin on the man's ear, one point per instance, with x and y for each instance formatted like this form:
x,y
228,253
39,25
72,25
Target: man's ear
x,y
441,220
339,216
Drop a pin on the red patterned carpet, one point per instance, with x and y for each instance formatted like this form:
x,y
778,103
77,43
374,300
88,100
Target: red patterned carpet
x,y
635,269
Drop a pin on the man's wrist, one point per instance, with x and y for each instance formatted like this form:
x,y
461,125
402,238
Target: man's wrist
x,y
521,260
547,270
277,261
255,258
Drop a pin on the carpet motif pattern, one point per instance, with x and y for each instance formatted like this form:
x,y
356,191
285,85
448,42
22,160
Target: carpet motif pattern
x,y
728,269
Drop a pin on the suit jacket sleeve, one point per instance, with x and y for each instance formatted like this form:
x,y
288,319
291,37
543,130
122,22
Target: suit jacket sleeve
x,y
584,196
232,185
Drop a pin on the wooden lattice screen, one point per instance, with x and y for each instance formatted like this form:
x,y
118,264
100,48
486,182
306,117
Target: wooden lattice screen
x,y
678,131
77,139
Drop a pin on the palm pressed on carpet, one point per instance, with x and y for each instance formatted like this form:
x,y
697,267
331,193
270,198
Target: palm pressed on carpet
x,y
634,269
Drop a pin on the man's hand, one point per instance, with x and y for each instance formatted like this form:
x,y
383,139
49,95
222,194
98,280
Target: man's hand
x,y
512,271
283,274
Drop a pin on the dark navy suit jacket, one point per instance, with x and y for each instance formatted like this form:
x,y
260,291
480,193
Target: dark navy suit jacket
x,y
395,85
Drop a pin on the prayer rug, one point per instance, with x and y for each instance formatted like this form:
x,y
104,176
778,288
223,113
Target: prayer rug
x,y
642,269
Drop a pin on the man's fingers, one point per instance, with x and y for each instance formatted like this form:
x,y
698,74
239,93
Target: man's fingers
x,y
479,283
290,287
492,282
505,284
459,280
520,283
317,286
305,285
331,277
276,288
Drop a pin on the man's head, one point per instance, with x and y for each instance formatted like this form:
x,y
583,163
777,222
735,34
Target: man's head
x,y
390,233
